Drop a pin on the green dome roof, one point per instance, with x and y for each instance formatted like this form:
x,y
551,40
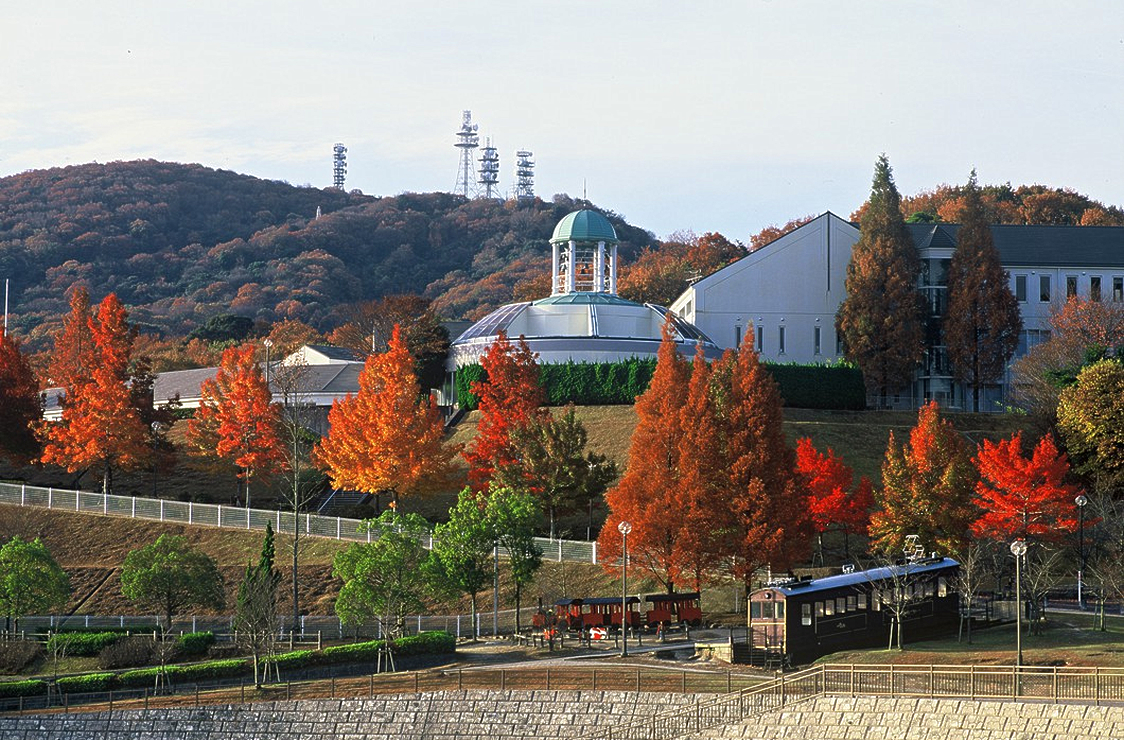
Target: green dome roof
x,y
584,226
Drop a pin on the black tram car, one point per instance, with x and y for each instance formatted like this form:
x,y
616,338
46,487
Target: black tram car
x,y
805,619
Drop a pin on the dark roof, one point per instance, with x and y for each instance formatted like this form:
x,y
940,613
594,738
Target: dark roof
x,y
337,353
1038,246
180,383
865,576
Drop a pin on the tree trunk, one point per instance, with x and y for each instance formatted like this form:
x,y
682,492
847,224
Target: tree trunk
x,y
296,550
518,601
473,620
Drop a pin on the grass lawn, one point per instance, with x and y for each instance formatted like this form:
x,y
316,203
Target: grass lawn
x,y
1066,640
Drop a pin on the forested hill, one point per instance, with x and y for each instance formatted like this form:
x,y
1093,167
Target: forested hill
x,y
180,243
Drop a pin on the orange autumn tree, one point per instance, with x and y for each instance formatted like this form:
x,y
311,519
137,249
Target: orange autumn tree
x,y
510,397
649,495
927,486
831,500
388,436
236,420
100,424
765,501
1024,496
20,407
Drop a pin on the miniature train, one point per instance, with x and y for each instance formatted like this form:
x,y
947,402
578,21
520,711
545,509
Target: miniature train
x,y
604,612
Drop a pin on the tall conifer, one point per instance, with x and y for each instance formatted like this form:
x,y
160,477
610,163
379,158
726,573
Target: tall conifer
x,y
20,406
880,319
982,323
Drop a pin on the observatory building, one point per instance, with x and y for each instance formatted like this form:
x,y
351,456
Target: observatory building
x,y
583,319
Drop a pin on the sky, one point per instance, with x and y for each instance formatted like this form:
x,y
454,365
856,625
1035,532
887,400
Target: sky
x,y
705,116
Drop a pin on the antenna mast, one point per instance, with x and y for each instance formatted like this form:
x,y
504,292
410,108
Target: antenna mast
x,y
467,140
524,176
489,171
339,166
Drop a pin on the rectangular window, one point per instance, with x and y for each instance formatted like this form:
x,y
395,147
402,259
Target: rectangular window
x,y
829,608
819,609
1020,288
852,604
838,344
780,340
760,340
780,610
942,587
806,615
1095,288
1044,288
1070,286
737,337
1118,289
840,605
862,602
755,610
876,600
816,340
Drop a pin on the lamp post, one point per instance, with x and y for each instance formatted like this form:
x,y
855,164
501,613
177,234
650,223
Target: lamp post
x,y
624,528
156,427
268,343
1081,500
1018,549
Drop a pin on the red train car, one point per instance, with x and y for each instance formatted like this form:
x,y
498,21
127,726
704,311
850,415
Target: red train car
x,y
673,608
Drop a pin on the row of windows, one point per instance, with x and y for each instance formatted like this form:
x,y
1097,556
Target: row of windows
x,y
858,602
1096,288
782,336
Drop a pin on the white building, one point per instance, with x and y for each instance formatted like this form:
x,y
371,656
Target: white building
x,y
784,296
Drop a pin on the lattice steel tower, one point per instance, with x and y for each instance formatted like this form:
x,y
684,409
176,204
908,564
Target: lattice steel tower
x,y
467,140
339,166
489,171
524,175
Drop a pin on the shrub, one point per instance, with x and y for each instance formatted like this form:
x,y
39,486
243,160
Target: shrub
x,y
87,683
16,655
292,660
31,687
820,386
82,644
209,671
360,652
194,644
128,652
139,678
426,643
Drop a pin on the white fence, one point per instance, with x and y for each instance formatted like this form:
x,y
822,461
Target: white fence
x,y
235,517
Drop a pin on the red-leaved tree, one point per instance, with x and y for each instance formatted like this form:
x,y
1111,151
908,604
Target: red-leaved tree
x,y
236,420
509,397
1024,496
832,504
20,406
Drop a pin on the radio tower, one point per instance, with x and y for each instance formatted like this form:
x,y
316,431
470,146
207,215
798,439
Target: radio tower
x,y
490,171
524,176
339,166
467,140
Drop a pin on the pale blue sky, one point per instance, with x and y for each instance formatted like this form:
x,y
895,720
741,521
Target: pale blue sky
x,y
722,116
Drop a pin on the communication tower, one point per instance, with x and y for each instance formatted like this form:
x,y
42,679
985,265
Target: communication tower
x,y
489,171
339,166
524,175
467,140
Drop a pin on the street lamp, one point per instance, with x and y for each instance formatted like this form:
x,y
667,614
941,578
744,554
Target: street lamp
x,y
1081,500
1018,549
156,428
624,528
268,344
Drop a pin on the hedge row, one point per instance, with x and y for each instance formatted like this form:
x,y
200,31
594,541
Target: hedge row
x,y
426,643
609,383
82,644
31,687
194,643
209,671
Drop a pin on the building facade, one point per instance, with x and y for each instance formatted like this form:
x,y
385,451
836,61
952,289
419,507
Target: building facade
x,y
784,296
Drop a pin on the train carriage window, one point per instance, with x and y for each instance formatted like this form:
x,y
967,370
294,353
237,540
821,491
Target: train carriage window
x,y
862,601
755,610
819,609
780,610
829,608
840,605
942,587
806,615
929,589
876,600
852,604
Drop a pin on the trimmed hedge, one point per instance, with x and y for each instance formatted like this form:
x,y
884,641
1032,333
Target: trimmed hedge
x,y
83,644
292,661
87,683
208,671
837,386
30,687
194,643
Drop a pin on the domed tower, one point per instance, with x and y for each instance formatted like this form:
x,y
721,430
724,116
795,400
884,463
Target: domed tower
x,y
584,255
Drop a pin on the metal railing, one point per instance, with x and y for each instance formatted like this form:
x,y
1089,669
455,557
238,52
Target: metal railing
x,y
236,517
1039,683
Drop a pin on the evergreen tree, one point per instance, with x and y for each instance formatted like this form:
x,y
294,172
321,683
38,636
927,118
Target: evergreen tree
x,y
255,616
982,323
880,319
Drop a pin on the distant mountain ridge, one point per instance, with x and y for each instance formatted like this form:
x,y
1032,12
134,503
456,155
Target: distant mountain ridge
x,y
179,243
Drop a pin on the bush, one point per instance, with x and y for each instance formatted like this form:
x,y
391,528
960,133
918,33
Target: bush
x,y
820,386
87,683
138,679
209,671
293,660
32,687
16,655
360,652
426,643
128,652
194,644
82,644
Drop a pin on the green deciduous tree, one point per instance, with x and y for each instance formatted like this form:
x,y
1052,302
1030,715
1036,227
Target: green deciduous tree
x,y
880,319
169,575
30,580
511,515
387,577
462,549
1091,420
982,323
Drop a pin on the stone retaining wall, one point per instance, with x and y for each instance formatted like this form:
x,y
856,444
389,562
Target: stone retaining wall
x,y
445,715
878,718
